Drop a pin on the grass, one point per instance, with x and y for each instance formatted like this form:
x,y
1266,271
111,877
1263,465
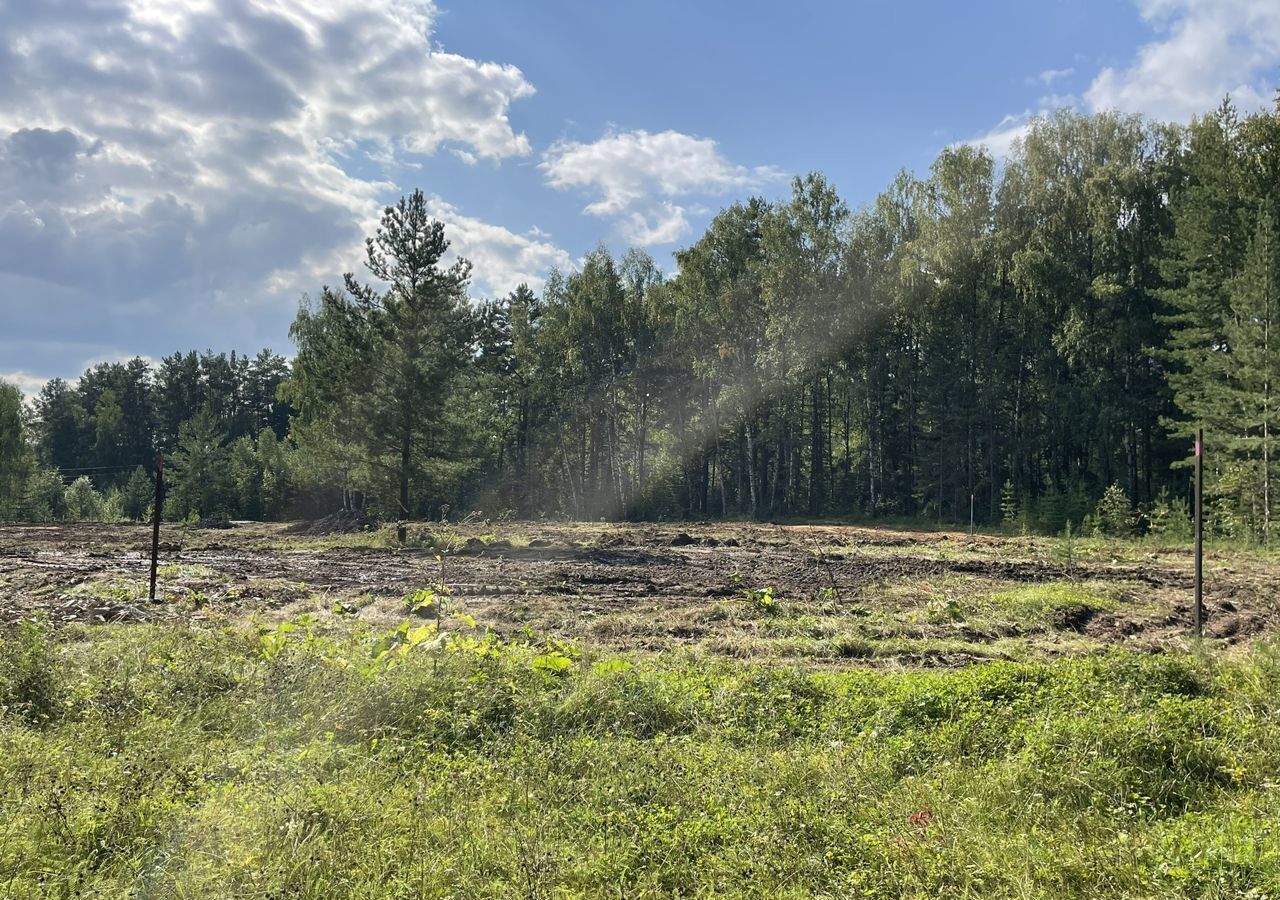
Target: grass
x,y
337,761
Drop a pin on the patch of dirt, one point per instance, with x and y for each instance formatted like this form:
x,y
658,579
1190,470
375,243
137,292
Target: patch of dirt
x,y
650,587
214,522
346,521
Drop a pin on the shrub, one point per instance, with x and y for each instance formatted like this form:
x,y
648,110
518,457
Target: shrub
x,y
27,682
1113,514
138,494
83,503
45,497
1170,517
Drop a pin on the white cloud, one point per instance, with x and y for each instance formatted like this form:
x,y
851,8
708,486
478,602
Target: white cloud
x,y
999,140
26,382
1205,49
1049,76
501,258
637,175
199,163
665,223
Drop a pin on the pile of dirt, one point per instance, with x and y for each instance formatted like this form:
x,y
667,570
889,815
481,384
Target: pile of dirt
x,y
220,522
344,521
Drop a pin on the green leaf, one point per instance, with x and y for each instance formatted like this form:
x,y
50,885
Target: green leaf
x,y
553,661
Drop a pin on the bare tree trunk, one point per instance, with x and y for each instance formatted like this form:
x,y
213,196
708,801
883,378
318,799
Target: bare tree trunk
x,y
816,444
406,440
724,490
573,489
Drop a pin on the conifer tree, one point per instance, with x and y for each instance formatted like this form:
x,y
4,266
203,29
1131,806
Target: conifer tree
x,y
1252,332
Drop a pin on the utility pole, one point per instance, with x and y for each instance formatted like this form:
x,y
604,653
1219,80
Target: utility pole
x,y
155,523
1199,505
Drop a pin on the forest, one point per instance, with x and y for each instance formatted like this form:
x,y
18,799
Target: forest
x,y
1031,341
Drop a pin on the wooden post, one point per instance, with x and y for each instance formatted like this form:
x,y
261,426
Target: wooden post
x,y
1199,508
155,523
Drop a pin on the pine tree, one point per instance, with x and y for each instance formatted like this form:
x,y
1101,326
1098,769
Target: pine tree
x,y
384,361
1253,336
198,480
138,495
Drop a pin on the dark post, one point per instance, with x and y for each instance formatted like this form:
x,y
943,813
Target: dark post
x,y
971,515
1199,504
155,522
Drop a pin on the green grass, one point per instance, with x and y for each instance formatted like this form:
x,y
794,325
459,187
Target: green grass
x,y
118,589
174,571
186,762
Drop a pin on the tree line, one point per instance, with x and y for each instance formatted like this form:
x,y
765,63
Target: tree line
x,y
1030,342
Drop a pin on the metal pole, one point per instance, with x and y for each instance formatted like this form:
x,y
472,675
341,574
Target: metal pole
x,y
1199,505
155,522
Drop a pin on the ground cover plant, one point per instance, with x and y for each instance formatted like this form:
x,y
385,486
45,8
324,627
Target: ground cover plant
x,y
300,760
593,710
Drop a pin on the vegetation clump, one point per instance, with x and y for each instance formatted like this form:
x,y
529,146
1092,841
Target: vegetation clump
x,y
319,761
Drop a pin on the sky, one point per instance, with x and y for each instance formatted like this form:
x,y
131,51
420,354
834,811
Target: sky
x,y
179,174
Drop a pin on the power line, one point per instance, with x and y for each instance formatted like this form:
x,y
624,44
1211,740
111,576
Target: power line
x,y
71,473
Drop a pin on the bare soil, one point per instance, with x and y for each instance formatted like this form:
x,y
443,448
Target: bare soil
x,y
842,594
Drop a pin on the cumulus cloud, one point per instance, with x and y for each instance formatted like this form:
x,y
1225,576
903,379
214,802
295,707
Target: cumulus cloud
x,y
25,382
1205,49
638,175
207,160
1202,51
501,258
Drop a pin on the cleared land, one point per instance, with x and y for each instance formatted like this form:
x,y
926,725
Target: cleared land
x,y
838,593
834,712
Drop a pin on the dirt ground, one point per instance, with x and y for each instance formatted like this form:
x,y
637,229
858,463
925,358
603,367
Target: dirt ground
x,y
835,595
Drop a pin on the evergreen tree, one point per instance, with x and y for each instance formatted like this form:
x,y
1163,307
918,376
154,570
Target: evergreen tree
x,y
138,496
388,358
1252,333
197,480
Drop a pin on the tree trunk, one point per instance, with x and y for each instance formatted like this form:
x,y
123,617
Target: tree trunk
x,y
817,482
406,441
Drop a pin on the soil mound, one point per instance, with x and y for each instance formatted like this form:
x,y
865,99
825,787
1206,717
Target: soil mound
x,y
344,521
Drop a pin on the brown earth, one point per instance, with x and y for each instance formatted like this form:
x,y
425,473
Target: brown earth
x,y
840,594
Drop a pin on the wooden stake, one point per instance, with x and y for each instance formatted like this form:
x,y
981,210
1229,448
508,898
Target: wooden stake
x,y
1199,505
155,523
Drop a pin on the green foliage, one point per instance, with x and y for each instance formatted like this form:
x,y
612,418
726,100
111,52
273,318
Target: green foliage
x,y
1224,271
81,502
1032,337
762,600
1010,510
17,461
138,497
302,761
375,370
28,680
198,483
1170,517
44,496
1065,549
423,601
1113,515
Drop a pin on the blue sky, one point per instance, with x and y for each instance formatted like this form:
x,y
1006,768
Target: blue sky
x,y
175,174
